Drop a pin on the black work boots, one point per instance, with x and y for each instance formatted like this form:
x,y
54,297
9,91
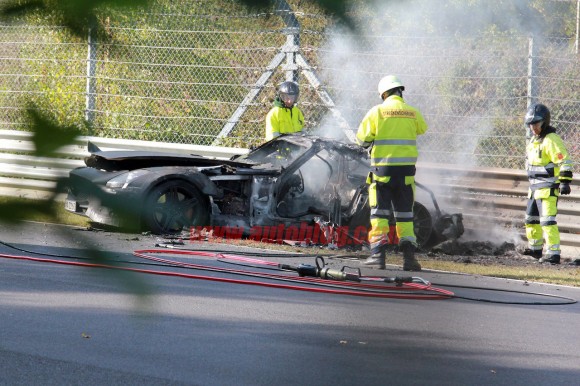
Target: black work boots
x,y
410,263
536,254
376,259
554,259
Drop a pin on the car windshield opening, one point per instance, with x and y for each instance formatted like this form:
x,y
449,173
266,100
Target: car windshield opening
x,y
280,152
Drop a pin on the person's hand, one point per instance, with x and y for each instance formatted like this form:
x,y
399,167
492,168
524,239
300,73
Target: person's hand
x,y
565,188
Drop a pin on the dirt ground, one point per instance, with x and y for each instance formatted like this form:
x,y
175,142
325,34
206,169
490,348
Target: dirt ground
x,y
487,253
468,249
501,253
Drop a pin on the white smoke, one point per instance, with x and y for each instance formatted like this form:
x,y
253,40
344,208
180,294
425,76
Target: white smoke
x,y
387,33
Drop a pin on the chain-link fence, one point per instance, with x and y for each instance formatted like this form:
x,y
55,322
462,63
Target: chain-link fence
x,y
205,72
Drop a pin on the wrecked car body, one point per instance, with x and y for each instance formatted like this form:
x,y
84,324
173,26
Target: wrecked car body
x,y
292,187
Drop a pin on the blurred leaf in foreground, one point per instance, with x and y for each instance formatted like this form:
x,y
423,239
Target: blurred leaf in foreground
x,y
48,135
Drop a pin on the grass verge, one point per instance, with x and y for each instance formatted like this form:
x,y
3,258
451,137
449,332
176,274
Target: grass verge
x,y
55,213
562,275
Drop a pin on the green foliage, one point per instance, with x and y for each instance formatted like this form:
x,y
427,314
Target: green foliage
x,y
48,135
208,55
74,14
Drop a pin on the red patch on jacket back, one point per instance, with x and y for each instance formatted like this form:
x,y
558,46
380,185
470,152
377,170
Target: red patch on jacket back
x,y
560,156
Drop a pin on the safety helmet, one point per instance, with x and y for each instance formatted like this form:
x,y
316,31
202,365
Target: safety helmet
x,y
536,113
288,93
389,82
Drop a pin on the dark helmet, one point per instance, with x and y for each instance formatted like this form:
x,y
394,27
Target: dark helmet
x,y
536,113
288,93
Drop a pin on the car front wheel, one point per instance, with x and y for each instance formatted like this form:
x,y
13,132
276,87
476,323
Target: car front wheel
x,y
173,206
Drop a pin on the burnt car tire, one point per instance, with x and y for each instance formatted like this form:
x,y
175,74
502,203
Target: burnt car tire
x,y
173,206
422,224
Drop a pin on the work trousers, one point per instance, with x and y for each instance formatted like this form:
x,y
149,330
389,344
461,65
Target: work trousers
x,y
541,226
391,198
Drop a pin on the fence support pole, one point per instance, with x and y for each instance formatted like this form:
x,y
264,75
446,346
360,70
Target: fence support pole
x,y
532,78
577,24
90,99
292,46
532,70
294,63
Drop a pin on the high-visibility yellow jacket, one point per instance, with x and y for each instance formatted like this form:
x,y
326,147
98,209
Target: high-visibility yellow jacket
x,y
548,162
392,128
282,120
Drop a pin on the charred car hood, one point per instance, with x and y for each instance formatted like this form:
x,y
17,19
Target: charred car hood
x,y
131,160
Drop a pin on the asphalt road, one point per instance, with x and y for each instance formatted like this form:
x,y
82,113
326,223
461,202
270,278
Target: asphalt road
x,y
70,325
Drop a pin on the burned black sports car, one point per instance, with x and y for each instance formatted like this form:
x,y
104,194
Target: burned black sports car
x,y
288,183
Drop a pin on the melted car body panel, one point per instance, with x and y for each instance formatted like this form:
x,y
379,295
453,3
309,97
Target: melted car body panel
x,y
289,181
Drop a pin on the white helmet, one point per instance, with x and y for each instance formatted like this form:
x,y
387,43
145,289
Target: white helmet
x,y
389,82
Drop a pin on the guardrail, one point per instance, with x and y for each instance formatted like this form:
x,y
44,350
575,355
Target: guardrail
x,y
27,176
491,200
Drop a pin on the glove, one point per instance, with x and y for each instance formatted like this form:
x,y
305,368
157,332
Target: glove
x,y
565,188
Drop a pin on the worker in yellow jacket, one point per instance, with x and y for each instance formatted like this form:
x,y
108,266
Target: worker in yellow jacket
x,y
284,117
391,128
550,173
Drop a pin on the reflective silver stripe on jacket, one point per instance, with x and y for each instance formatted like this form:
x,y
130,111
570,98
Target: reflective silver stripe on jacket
x,y
410,142
548,181
566,166
404,215
408,238
380,212
548,221
393,160
532,218
377,244
540,168
536,245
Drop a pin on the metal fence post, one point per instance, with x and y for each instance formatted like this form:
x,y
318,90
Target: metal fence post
x,y
532,71
292,46
288,50
91,92
532,78
577,24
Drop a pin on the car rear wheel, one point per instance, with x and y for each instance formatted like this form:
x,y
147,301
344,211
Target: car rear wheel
x,y
422,224
173,206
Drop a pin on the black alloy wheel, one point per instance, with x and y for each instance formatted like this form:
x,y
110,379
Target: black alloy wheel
x,y
422,224
173,206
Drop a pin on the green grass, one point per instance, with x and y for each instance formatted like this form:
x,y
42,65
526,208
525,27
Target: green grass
x,y
562,274
54,213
